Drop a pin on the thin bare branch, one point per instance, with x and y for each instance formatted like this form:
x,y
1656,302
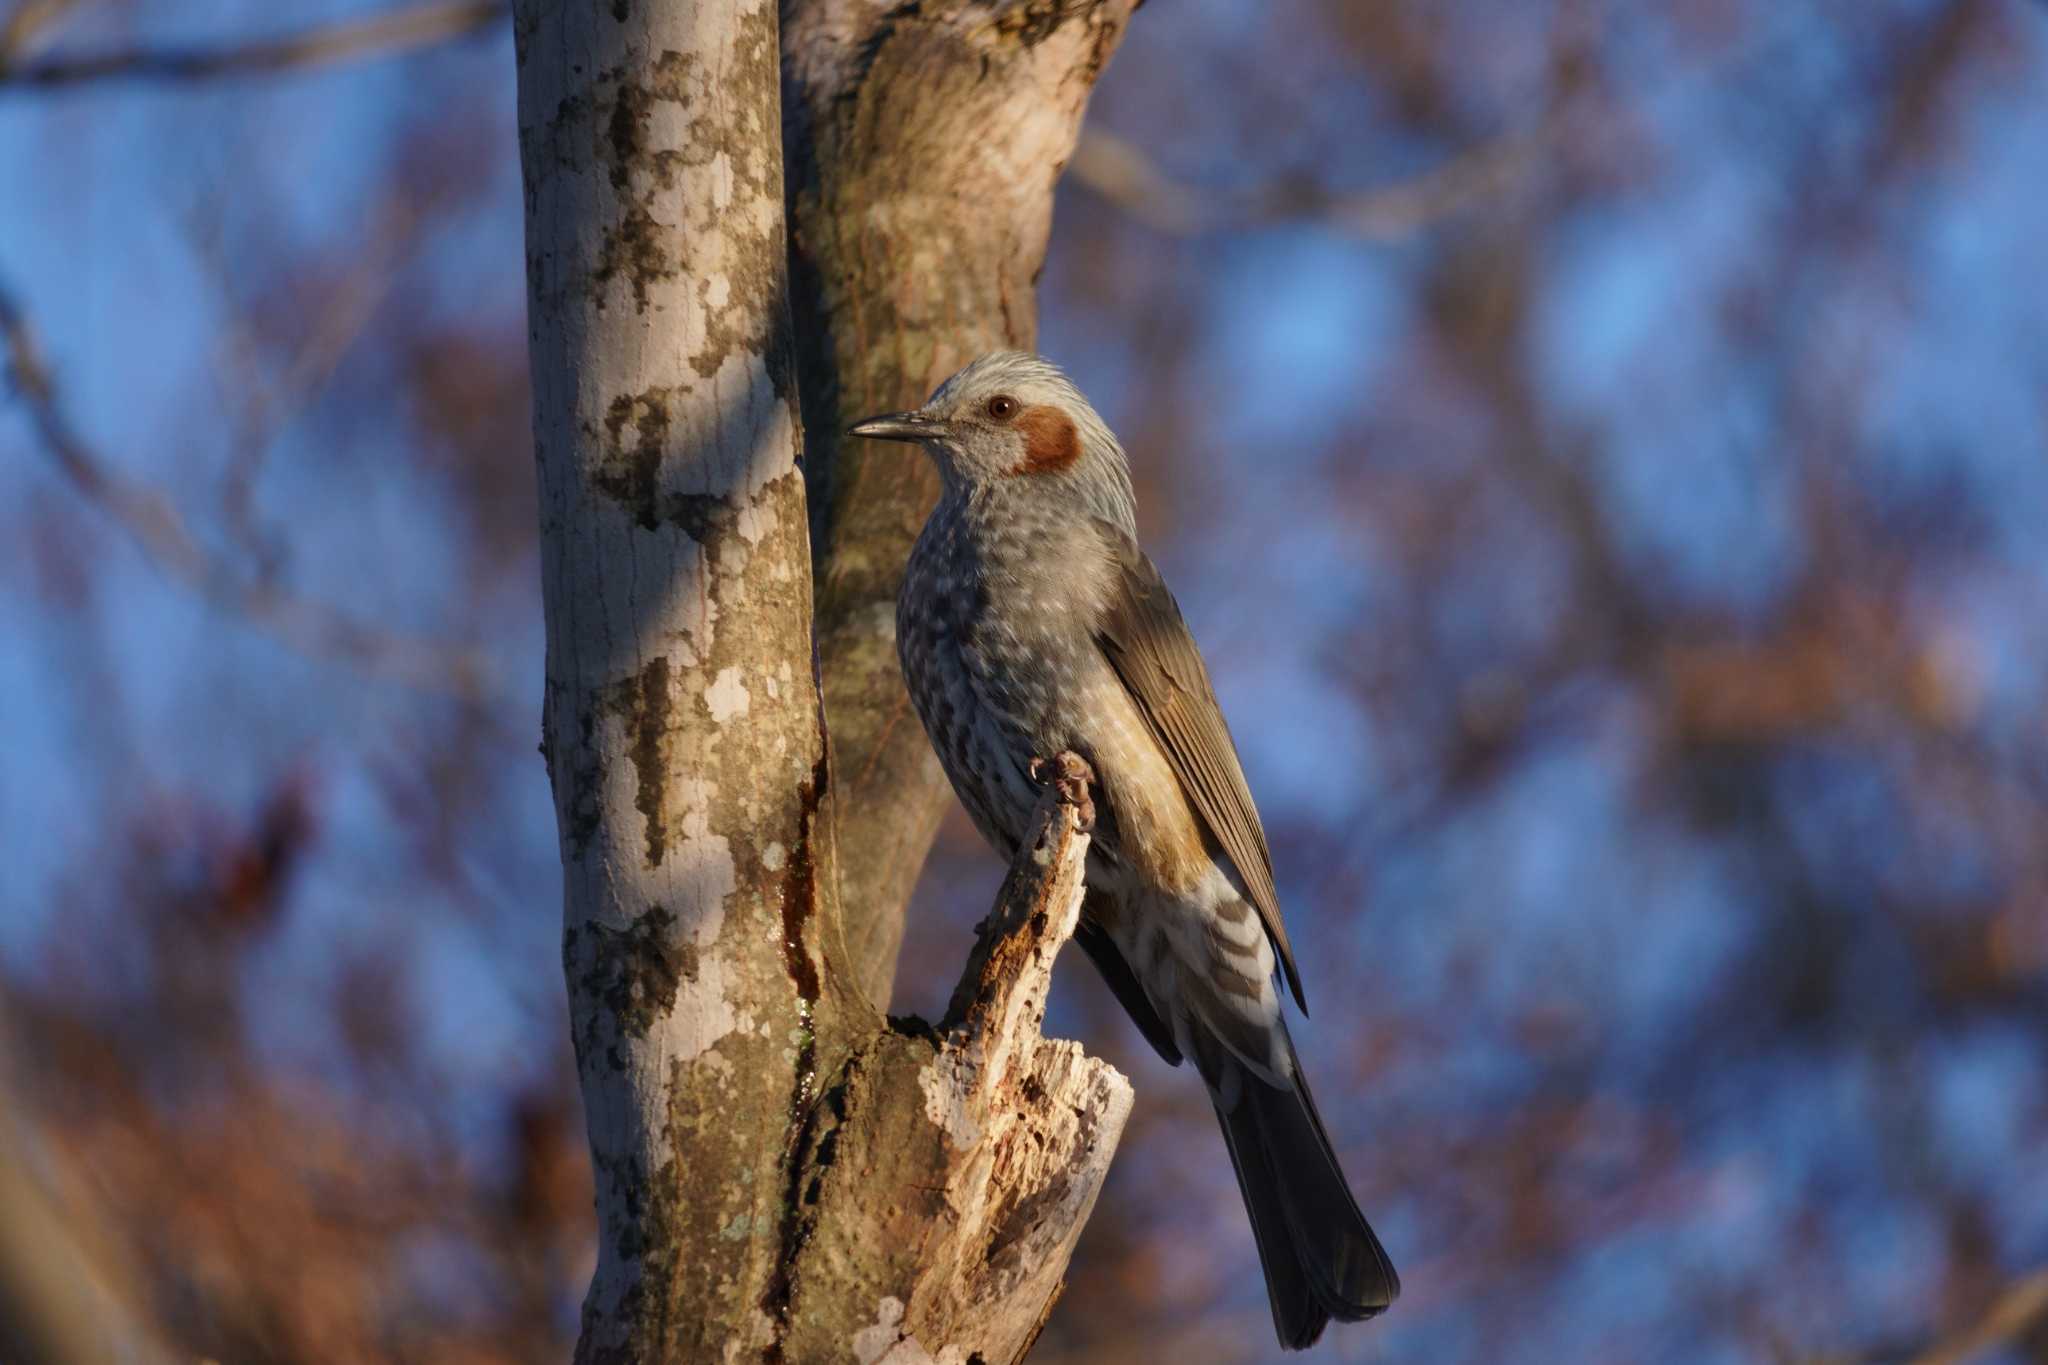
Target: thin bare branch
x,y
269,401
26,23
379,35
57,1302
2020,1310
1122,174
154,522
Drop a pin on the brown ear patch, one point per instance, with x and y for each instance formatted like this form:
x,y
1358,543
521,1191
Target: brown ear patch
x,y
1051,440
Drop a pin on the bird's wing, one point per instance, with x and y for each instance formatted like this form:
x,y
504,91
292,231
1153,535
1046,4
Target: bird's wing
x,y
1147,643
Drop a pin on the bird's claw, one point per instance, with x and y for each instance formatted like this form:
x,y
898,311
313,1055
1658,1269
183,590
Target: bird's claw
x,y
1071,776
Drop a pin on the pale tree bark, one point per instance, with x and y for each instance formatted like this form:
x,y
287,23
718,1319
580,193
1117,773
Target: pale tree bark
x,y
781,1173
679,715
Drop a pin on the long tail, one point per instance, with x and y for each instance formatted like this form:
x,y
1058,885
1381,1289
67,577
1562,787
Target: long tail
x,y
1321,1258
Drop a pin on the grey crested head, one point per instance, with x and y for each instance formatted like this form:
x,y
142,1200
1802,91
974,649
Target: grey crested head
x,y
1013,420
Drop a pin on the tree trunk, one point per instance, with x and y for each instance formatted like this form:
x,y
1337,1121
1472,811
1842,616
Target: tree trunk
x,y
923,143
781,1174
680,715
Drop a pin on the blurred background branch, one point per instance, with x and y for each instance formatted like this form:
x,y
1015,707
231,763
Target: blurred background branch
x,y
1125,176
154,522
399,30
56,1306
2017,1318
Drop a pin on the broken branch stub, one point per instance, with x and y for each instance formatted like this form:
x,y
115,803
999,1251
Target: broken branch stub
x,y
946,1175
1034,915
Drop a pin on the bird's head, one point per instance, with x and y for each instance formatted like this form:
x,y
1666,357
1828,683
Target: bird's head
x,y
1014,418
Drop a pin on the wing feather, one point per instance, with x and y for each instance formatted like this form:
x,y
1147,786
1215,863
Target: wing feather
x,y
1146,641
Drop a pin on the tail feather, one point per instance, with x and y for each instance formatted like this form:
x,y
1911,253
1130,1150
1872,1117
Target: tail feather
x,y
1320,1256
1207,995
1298,1315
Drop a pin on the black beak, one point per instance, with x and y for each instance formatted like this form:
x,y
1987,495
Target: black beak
x,y
899,426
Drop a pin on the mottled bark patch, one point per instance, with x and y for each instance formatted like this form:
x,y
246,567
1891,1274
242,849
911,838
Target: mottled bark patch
x,y
626,131
671,68
636,429
635,972
650,725
638,432
638,248
635,245
646,1239
1032,23
579,803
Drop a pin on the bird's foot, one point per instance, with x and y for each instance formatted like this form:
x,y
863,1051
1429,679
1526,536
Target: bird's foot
x,y
1070,774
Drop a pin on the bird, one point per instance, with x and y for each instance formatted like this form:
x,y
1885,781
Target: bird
x,y
1030,623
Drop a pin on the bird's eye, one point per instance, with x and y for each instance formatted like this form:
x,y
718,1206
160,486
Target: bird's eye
x,y
1002,407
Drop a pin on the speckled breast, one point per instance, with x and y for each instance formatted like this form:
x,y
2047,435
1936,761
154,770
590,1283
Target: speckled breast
x,y
937,614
